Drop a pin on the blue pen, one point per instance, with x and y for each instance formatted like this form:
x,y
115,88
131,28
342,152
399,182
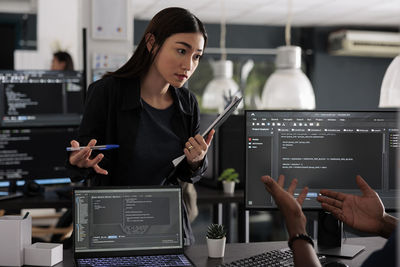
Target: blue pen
x,y
104,147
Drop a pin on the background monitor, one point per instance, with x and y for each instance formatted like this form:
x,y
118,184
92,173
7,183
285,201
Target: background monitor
x,y
35,153
322,149
40,98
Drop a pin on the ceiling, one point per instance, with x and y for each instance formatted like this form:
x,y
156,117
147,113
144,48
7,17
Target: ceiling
x,y
274,12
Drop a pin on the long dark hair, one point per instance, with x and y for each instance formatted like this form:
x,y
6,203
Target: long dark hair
x,y
165,23
63,56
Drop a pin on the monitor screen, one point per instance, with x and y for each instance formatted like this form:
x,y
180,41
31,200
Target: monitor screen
x,y
40,98
35,153
323,150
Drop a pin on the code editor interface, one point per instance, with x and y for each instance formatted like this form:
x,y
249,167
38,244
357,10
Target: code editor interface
x,y
323,150
127,219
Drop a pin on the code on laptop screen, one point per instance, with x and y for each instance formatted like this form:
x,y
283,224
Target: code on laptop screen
x,y
127,219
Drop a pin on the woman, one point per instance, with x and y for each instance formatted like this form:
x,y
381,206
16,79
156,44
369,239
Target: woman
x,y
62,61
144,109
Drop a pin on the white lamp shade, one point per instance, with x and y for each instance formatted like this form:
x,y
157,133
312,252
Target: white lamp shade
x,y
220,89
390,89
288,89
217,93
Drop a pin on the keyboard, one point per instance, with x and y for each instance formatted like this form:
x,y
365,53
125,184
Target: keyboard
x,y
161,260
281,257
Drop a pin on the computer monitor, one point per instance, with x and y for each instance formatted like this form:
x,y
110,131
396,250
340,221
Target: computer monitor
x,y
35,154
40,98
322,149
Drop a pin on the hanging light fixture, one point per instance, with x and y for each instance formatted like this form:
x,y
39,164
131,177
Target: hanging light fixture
x,y
390,89
288,87
222,88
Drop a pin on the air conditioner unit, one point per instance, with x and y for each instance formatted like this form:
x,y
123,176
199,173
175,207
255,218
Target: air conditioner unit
x,y
364,43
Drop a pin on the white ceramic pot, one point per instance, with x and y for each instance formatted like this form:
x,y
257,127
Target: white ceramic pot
x,y
216,247
229,187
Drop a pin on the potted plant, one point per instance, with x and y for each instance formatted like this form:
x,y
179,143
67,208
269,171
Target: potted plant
x,y
216,239
229,177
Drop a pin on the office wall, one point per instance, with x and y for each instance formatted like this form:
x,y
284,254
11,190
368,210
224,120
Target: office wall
x,y
343,82
104,46
340,82
57,27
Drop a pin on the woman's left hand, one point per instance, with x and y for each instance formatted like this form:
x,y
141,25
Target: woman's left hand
x,y
196,149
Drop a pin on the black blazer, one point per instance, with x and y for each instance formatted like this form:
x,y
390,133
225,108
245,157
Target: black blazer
x,y
112,113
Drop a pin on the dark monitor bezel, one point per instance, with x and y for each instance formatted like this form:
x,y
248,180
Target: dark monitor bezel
x,y
275,208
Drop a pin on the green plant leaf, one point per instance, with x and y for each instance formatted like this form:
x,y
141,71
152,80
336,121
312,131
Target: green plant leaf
x,y
229,174
216,231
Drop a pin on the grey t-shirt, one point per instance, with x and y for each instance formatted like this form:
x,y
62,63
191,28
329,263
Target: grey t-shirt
x,y
156,146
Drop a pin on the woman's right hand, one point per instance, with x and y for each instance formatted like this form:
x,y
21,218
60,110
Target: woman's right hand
x,y
82,158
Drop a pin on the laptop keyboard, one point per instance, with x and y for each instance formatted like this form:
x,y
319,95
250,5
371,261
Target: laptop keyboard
x,y
281,257
161,260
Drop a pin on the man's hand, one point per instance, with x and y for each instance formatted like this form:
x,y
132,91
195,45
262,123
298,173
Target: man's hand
x,y
288,205
365,213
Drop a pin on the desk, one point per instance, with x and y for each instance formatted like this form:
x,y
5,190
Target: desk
x,y
205,195
219,199
48,199
235,251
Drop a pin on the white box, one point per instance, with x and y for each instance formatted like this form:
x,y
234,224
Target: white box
x,y
43,254
15,235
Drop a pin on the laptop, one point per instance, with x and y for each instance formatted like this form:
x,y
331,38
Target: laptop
x,y
128,226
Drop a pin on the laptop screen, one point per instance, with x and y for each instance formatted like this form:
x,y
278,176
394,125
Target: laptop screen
x,y
122,219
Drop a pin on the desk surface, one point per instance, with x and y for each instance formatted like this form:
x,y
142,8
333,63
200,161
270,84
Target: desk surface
x,y
207,195
236,251
48,199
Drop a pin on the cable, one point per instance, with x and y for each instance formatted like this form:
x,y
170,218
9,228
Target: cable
x,y
222,43
288,22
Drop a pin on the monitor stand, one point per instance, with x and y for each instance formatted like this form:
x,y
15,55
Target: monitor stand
x,y
11,193
329,242
344,251
12,186
31,188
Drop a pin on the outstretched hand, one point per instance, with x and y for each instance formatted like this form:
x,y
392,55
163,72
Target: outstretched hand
x,y
365,213
288,205
82,158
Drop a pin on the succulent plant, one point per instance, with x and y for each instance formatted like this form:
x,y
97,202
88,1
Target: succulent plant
x,y
216,231
229,174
